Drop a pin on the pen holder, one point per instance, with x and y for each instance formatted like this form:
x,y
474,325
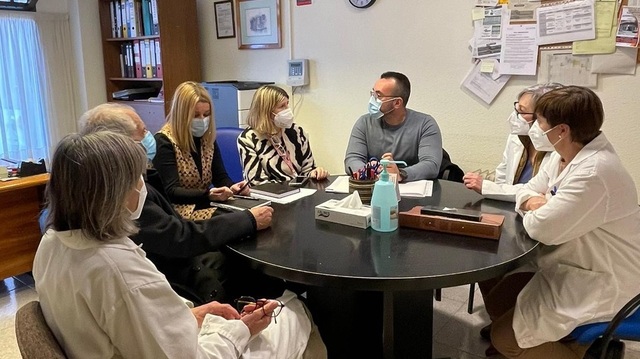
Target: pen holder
x,y
364,188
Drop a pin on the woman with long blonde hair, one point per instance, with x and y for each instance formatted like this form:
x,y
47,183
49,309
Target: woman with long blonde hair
x,y
188,157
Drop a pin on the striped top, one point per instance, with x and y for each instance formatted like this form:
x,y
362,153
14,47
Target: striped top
x,y
275,159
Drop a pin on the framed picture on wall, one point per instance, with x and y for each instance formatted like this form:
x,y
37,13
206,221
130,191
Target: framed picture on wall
x,y
225,26
258,24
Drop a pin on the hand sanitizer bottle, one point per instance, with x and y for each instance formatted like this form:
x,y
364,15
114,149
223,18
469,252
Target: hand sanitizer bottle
x,y
384,202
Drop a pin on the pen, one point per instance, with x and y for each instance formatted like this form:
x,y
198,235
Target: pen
x,y
246,184
245,197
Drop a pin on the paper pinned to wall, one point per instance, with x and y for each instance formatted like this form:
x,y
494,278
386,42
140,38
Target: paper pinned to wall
x,y
566,22
622,62
523,10
519,50
483,85
605,41
563,67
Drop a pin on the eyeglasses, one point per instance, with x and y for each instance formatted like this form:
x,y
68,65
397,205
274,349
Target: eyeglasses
x,y
377,96
516,107
257,304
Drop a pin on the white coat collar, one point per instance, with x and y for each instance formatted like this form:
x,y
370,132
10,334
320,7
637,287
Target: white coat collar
x,y
591,148
75,239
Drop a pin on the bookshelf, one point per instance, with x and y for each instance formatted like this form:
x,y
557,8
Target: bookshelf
x,y
179,47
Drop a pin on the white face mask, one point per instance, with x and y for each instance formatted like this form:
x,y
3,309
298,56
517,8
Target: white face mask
x,y
540,140
199,126
142,196
284,118
518,125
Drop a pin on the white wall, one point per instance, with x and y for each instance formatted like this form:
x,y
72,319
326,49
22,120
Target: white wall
x,y
60,6
426,40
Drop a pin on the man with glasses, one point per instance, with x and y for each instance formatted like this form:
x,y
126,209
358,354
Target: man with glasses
x,y
392,131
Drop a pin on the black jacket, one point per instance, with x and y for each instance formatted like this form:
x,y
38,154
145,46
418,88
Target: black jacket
x,y
184,250
165,233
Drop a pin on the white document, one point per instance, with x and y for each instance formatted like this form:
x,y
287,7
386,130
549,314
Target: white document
x,y
622,62
563,67
490,26
566,22
483,85
304,192
523,10
486,2
519,50
421,188
339,185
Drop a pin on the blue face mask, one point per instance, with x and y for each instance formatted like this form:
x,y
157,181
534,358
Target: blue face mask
x,y
149,143
374,108
199,126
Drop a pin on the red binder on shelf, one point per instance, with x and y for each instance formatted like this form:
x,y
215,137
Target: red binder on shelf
x,y
136,58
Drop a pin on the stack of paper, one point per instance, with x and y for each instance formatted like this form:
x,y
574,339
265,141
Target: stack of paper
x,y
422,188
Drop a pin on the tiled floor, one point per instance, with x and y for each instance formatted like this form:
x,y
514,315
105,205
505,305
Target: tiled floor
x,y
455,331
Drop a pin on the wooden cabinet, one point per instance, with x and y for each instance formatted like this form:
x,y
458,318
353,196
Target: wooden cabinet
x,y
179,49
20,235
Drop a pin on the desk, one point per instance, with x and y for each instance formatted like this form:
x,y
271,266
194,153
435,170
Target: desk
x,y
21,202
357,272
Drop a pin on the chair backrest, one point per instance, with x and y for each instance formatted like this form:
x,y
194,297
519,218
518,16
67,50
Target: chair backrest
x,y
227,138
35,339
449,170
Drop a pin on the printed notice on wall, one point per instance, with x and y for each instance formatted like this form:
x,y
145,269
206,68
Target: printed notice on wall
x,y
566,22
519,50
483,85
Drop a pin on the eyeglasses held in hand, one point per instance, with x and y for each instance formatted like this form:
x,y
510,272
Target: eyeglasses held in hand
x,y
258,304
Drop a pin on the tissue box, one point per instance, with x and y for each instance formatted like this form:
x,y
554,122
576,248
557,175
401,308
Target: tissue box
x,y
355,217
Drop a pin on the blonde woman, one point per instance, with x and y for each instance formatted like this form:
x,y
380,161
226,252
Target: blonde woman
x,y
273,148
188,158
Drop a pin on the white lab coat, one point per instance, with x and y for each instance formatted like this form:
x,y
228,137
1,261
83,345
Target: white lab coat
x,y
106,300
503,187
588,267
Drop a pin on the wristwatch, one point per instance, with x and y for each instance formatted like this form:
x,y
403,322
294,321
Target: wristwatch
x,y
403,174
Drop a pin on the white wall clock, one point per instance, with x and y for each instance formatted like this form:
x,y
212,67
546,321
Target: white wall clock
x,y
362,4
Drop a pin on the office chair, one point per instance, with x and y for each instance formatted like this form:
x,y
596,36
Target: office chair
x,y
606,336
34,337
448,170
227,138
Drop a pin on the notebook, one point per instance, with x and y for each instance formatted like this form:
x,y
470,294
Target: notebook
x,y
275,190
240,204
